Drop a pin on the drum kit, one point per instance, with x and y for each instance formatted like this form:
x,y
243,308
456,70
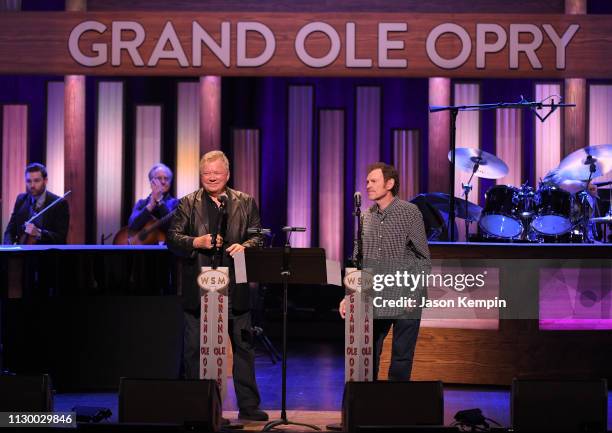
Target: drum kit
x,y
563,209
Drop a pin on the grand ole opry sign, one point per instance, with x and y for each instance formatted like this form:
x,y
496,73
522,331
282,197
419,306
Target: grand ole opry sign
x,y
299,44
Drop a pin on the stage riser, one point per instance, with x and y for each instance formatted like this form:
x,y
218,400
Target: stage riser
x,y
88,343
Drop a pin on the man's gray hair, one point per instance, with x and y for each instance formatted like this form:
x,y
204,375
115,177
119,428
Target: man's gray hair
x,y
158,166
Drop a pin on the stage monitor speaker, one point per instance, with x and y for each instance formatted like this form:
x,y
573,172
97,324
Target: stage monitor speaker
x,y
25,393
560,405
181,402
367,404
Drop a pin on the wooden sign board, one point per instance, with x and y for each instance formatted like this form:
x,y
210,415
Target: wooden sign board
x,y
300,44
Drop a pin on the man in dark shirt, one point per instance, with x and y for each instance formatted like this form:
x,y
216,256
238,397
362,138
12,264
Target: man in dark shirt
x,y
49,228
394,239
158,204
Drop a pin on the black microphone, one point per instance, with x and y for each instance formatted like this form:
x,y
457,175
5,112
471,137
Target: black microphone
x,y
357,199
293,229
222,200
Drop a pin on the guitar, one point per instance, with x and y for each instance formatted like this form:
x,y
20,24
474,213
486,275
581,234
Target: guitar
x,y
150,234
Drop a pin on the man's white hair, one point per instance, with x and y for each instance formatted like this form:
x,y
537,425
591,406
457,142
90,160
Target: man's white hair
x,y
214,155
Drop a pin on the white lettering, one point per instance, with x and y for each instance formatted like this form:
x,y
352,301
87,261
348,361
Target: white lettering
x,y
201,36
466,46
175,52
300,44
130,46
351,60
560,43
529,48
482,47
100,49
270,44
384,45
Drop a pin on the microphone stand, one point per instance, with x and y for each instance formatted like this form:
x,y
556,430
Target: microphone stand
x,y
257,317
286,274
217,252
358,241
454,111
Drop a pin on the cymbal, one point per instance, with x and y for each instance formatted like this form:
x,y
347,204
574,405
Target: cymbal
x,y
577,165
490,166
441,200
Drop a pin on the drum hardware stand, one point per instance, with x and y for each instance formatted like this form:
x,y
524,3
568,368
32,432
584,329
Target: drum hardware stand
x,y
609,215
454,111
584,223
467,188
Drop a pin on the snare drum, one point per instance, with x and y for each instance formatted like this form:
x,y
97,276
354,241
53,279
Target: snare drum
x,y
500,218
554,209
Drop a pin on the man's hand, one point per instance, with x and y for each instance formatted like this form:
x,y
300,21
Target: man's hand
x,y
204,242
342,308
32,230
157,193
234,248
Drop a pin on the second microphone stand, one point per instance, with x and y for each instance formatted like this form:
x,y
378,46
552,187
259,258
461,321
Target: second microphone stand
x,y
285,275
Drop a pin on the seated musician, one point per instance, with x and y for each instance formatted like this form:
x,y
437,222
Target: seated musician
x,y
51,227
158,204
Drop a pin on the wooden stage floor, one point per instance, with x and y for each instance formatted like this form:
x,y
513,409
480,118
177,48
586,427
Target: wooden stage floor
x,y
320,418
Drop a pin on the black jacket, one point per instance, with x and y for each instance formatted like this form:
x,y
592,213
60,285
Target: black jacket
x,y
53,223
190,221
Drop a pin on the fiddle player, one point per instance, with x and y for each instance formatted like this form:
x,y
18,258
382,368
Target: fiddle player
x,y
49,228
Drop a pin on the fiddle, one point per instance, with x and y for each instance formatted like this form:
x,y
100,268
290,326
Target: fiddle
x,y
28,239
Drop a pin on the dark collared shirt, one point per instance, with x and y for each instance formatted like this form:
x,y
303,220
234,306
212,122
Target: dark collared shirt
x,y
394,239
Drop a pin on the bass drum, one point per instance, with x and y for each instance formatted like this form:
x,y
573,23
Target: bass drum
x,y
554,210
500,219
575,236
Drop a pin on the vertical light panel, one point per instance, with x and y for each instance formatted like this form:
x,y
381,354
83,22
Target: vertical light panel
x,y
187,176
574,124
245,170
14,156
600,112
148,147
55,136
439,135
406,159
10,5
468,133
331,192
367,136
509,145
548,133
109,159
75,173
210,113
299,187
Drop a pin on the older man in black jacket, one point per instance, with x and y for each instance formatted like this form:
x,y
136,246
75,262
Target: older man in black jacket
x,y
190,236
